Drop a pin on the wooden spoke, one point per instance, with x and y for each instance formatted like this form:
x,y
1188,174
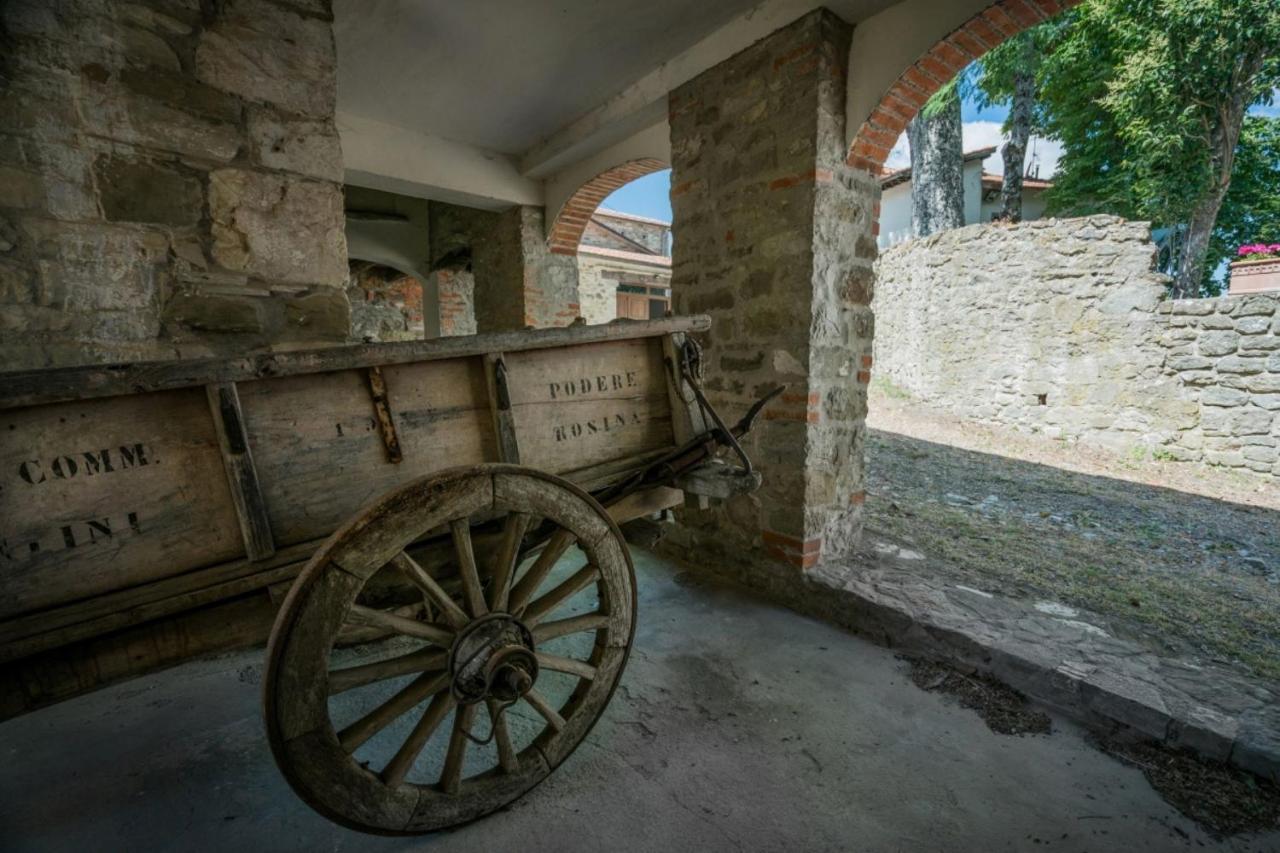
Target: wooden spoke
x,y
435,594
451,775
399,759
512,533
573,625
556,663
460,529
423,660
502,738
579,581
396,769
539,703
427,684
537,573
370,617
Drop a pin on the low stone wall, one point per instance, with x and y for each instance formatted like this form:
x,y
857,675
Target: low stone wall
x,y
170,179
1062,327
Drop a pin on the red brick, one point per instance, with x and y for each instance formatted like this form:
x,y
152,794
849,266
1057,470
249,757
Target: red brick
x,y
922,82
1048,7
984,32
909,95
1026,15
864,376
940,72
866,361
858,498
963,40
1000,19
949,56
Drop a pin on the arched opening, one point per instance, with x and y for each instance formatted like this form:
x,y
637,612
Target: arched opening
x,y
618,225
1037,391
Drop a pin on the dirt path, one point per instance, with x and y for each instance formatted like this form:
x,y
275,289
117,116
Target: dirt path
x,y
1184,559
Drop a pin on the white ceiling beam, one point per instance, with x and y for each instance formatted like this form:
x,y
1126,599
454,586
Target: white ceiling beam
x,y
645,101
386,157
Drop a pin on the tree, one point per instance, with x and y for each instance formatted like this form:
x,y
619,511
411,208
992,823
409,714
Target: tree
x,y
1251,211
937,164
1149,100
1010,74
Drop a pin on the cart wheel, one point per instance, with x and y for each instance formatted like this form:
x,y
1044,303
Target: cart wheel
x,y
520,653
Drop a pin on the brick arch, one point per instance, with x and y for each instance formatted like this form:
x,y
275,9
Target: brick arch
x,y
571,221
984,31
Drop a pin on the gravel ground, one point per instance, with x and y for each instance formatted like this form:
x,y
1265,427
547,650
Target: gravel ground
x,y
1184,559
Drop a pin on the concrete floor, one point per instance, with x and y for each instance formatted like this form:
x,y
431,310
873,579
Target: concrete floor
x,y
738,726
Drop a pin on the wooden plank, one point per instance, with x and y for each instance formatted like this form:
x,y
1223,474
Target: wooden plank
x,y
148,612
62,673
645,502
103,495
319,452
504,424
382,414
587,405
32,387
242,477
133,599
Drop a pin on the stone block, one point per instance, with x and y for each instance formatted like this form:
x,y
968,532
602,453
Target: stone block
x,y
1252,325
83,267
264,52
1252,422
1225,458
218,312
1240,365
1197,307
1270,402
1263,305
276,228
306,146
133,190
119,113
1260,344
1218,343
1227,397
325,313
1188,362
1217,321
1263,384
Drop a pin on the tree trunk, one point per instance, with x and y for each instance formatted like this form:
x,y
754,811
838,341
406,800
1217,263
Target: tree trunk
x,y
1015,150
937,169
1223,138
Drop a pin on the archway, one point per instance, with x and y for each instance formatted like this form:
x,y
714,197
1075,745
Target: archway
x,y
572,219
948,57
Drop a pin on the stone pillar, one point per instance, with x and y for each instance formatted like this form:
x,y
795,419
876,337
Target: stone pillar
x,y
519,282
170,180
774,241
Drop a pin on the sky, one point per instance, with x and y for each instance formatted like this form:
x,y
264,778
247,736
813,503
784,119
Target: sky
x,y
647,196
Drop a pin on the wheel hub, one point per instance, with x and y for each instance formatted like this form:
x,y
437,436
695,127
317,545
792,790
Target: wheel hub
x,y
493,658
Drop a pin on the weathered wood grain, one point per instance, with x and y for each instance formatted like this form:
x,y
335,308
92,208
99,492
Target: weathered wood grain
x,y
102,495
242,477
32,387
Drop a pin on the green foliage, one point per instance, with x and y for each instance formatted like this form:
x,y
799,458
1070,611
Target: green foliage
x,y
1141,94
1251,211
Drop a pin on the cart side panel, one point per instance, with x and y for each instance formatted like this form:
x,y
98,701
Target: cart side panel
x,y
104,494
583,406
320,452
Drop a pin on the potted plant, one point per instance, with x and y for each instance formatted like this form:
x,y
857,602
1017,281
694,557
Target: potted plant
x,y
1256,268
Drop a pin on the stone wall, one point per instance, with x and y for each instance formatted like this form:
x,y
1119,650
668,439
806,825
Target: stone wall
x,y
386,304
775,243
1062,327
519,283
456,289
169,179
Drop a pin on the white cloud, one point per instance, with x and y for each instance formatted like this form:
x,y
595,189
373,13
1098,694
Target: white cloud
x,y
1042,154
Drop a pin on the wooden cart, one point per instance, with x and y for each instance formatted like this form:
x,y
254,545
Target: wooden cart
x,y
456,501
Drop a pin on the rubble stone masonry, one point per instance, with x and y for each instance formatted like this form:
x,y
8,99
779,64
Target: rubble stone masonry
x,y
170,179
775,243
1062,327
